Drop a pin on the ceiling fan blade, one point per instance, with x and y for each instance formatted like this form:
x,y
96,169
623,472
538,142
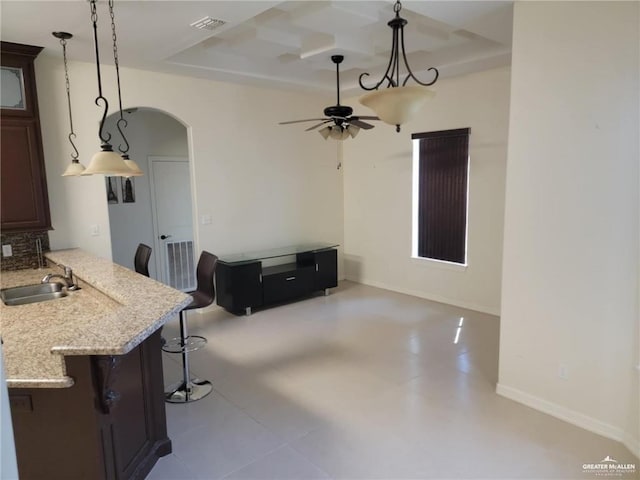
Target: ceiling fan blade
x,y
365,117
359,123
318,125
299,121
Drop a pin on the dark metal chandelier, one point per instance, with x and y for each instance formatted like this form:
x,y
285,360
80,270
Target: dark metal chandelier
x,y
397,103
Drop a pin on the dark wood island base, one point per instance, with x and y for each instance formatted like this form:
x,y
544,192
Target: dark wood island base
x,y
111,424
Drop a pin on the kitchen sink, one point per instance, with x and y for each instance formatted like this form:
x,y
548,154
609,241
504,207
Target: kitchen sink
x,y
39,292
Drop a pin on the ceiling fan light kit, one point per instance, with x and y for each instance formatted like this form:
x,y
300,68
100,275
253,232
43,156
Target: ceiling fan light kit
x,y
397,103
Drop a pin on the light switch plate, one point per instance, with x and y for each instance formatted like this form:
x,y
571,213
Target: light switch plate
x,y
205,219
7,251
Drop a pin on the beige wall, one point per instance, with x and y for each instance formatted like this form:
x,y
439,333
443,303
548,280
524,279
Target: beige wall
x,y
570,278
265,185
378,196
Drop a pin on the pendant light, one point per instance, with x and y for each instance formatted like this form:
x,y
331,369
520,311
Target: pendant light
x,y
121,123
75,168
397,103
106,161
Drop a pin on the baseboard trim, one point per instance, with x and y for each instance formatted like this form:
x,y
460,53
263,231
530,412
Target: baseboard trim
x,y
632,444
429,296
570,416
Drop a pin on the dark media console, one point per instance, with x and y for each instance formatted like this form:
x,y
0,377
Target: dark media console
x,y
243,283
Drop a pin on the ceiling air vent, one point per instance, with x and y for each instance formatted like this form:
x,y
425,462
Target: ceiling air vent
x,y
208,23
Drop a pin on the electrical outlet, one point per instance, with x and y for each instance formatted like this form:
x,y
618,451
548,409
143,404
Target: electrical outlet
x,y
7,251
563,371
95,230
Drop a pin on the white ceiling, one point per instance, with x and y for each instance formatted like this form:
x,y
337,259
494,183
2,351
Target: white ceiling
x,y
273,43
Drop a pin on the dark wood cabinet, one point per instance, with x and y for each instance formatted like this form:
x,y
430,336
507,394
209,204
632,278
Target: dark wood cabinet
x,y
246,284
24,201
110,424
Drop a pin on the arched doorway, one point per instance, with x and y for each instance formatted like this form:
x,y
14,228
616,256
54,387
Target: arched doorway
x,y
156,208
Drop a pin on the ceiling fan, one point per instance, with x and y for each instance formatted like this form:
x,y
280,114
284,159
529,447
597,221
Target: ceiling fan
x,y
344,124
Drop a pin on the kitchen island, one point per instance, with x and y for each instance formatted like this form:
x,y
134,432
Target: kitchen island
x,y
85,371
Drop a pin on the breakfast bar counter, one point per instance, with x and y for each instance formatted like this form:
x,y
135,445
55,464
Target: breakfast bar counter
x,y
85,371
115,310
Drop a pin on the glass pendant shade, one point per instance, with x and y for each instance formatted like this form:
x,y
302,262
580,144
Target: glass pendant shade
x,y
336,133
353,130
325,132
133,166
74,169
396,106
107,162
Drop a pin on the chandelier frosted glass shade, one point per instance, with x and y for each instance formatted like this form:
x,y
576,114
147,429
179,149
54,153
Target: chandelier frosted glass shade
x,y
75,169
108,162
397,105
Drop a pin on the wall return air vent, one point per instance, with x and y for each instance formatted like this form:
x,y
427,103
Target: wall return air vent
x,y
208,23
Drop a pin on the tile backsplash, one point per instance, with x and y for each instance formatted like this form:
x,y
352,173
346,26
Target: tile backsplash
x,y
24,249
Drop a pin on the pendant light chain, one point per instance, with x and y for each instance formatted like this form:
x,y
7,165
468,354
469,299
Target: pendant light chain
x,y
105,137
72,135
121,123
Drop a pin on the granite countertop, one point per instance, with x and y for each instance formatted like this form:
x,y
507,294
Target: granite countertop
x,y
115,310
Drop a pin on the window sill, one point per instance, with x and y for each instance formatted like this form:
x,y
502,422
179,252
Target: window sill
x,y
431,263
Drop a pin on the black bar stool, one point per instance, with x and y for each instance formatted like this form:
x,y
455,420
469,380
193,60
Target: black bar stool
x,y
191,389
141,259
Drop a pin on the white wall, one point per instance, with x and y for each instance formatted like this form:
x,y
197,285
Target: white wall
x,y
570,277
149,132
265,185
378,183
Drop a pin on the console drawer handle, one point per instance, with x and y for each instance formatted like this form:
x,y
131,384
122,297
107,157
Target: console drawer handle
x,y
290,278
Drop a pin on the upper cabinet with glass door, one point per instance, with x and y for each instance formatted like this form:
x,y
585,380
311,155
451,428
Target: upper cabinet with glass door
x,y
12,84
24,202
18,95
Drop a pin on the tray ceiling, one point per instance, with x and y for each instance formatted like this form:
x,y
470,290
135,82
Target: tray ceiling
x,y
277,44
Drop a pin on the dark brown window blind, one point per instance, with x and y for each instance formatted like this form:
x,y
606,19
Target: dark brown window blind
x,y
442,201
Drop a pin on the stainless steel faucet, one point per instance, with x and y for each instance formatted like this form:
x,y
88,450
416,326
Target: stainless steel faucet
x,y
67,278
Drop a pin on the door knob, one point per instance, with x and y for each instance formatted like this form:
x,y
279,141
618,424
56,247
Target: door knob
x,y
164,237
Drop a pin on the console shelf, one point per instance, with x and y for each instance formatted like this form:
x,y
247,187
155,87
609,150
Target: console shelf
x,y
243,283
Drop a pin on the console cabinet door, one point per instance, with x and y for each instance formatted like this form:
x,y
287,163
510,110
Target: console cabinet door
x,y
326,269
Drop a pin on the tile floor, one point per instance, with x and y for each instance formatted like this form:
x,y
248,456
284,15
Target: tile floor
x,y
362,384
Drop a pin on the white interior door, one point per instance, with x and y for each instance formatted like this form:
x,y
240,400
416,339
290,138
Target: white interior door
x,y
173,226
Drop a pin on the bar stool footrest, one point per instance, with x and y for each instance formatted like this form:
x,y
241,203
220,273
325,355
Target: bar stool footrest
x,y
190,344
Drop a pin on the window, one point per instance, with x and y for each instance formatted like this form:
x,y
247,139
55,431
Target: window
x,y
441,179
